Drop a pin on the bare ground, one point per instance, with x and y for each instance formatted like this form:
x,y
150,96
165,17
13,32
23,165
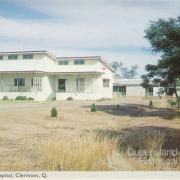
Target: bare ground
x,y
24,124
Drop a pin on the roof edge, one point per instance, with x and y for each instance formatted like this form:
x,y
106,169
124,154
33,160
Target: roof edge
x,y
28,52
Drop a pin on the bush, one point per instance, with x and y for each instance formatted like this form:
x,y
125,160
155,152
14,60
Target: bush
x,y
30,98
21,98
173,103
118,106
93,108
5,98
150,104
53,112
70,98
53,99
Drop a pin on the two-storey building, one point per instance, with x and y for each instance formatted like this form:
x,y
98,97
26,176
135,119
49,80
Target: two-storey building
x,y
42,76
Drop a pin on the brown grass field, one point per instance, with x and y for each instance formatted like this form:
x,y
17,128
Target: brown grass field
x,y
82,140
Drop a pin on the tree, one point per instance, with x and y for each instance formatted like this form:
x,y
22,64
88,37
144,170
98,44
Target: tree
x,y
133,71
164,37
123,71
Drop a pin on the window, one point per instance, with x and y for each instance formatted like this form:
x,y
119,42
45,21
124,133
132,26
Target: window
x,y
120,89
61,85
79,61
63,62
19,82
105,82
27,56
80,84
37,83
1,57
13,56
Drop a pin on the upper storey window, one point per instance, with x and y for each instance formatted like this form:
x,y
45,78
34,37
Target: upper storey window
x,y
27,56
105,82
79,61
1,57
12,56
63,62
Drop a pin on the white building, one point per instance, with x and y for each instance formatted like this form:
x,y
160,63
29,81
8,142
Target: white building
x,y
133,88
128,87
42,76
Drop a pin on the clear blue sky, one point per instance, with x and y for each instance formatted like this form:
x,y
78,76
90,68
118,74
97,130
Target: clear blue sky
x,y
113,29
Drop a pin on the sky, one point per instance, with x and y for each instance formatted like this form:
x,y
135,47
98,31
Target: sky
x,y
113,29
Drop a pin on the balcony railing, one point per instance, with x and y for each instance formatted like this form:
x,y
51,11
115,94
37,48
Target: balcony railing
x,y
16,89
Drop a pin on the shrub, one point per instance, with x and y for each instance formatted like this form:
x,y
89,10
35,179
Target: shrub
x,y
150,104
173,103
53,99
5,98
93,108
30,98
53,112
70,98
21,98
118,106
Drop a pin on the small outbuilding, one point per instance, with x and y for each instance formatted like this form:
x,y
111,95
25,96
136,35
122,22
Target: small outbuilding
x,y
130,88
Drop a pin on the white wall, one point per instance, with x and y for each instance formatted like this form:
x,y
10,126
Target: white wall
x,y
135,91
106,92
48,91
40,62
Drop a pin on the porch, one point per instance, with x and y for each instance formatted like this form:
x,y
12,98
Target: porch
x,y
20,82
77,86
13,84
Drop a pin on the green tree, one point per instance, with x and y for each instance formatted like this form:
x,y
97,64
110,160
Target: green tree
x,y
164,37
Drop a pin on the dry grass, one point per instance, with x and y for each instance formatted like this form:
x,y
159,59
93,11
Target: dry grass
x,y
86,152
97,151
58,144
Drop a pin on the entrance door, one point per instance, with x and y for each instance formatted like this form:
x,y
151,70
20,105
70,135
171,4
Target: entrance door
x,y
61,85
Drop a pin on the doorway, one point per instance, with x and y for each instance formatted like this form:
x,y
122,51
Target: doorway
x,y
61,85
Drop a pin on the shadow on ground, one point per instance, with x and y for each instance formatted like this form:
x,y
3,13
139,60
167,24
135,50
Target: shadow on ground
x,y
136,110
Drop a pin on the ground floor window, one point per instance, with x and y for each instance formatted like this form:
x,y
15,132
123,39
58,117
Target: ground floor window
x,y
19,82
37,83
61,85
80,84
106,82
120,89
